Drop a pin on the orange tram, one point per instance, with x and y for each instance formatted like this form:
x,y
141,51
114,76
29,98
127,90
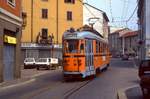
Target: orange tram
x,y
85,53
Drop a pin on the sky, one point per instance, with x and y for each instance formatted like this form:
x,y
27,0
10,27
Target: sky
x,y
118,11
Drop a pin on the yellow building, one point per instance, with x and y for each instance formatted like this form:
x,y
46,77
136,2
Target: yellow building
x,y
47,17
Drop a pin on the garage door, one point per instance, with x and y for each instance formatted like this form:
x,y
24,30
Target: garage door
x,y
9,60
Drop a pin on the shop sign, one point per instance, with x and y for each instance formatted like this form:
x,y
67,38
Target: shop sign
x,y
10,40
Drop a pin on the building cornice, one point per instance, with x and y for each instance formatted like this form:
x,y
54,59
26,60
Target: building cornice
x,y
5,15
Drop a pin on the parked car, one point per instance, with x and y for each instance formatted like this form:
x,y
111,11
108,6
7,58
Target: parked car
x,y
54,63
43,63
29,63
48,63
144,74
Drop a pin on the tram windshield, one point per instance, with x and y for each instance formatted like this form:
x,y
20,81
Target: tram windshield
x,y
71,46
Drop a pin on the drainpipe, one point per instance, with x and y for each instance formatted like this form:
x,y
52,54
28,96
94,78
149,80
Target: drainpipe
x,y
31,21
57,24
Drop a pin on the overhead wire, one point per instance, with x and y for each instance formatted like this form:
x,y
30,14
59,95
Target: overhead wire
x,y
111,14
90,10
133,12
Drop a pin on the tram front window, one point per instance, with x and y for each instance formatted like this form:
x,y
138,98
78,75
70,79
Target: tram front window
x,y
72,46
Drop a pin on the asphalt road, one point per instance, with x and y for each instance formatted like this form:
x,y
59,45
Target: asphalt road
x,y
121,74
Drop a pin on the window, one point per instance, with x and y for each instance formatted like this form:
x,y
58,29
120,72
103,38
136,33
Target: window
x,y
11,2
44,13
44,33
24,17
82,48
69,15
71,46
70,1
97,47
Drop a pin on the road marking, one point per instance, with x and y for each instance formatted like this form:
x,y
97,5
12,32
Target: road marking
x,y
17,85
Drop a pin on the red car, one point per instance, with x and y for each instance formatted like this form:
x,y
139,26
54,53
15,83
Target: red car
x,y
144,74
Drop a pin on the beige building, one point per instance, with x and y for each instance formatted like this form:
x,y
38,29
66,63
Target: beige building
x,y
43,18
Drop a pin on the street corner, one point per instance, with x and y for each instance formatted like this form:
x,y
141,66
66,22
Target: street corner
x,y
132,92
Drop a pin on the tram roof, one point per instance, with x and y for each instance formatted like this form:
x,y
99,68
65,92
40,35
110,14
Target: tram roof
x,y
83,35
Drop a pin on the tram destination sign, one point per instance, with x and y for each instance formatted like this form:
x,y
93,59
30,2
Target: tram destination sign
x,y
71,35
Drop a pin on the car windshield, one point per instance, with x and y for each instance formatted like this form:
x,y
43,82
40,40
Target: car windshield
x,y
42,60
29,60
145,64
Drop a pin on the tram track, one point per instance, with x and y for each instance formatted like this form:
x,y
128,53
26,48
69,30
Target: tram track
x,y
72,91
74,87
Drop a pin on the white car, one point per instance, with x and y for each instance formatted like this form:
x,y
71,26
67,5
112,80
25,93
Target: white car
x,y
29,63
54,63
43,63
48,63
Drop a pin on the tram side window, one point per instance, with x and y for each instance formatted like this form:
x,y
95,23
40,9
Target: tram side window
x,y
97,47
106,48
103,48
82,48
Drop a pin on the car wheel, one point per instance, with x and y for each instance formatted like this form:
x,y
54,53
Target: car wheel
x,y
48,67
25,67
38,68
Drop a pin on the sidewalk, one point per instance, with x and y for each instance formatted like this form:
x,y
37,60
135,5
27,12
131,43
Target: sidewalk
x,y
133,92
27,76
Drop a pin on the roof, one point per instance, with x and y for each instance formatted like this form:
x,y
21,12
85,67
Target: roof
x,y
83,34
129,34
90,29
117,31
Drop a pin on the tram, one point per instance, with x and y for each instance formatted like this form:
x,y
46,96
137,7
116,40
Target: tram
x,y
85,52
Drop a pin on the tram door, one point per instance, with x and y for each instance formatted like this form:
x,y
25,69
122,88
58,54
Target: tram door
x,y
89,58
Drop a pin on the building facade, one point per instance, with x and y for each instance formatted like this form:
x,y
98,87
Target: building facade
x,y
10,36
45,21
97,18
129,44
115,43
144,33
45,18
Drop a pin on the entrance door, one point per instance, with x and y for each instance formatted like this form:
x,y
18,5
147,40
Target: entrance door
x,y
89,58
9,59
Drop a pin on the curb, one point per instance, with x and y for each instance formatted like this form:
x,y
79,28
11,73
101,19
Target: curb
x,y
121,94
